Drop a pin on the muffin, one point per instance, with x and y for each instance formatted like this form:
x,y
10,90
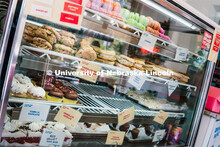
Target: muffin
x,y
70,97
55,95
124,127
135,133
36,93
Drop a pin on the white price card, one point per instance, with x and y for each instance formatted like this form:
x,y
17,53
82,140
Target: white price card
x,y
137,81
147,41
181,54
41,11
52,138
34,112
159,135
172,85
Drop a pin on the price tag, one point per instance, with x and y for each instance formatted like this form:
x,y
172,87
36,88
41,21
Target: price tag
x,y
68,116
34,112
172,85
181,54
161,117
41,11
88,71
125,116
147,41
213,54
207,40
159,135
137,81
115,138
52,138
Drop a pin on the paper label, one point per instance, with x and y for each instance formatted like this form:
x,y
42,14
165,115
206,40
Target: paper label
x,y
172,85
159,135
69,18
34,112
88,71
49,2
137,81
181,54
72,8
147,41
68,116
125,116
161,117
41,10
207,40
52,138
213,54
115,138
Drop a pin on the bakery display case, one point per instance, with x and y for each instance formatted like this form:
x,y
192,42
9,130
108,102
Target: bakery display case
x,y
148,55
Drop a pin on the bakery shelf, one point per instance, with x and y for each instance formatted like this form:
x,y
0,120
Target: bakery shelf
x,y
150,78
137,31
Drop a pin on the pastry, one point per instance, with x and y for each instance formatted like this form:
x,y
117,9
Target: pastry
x,y
67,34
125,60
70,97
45,34
36,93
55,95
151,22
28,38
64,89
52,30
41,43
48,86
135,133
105,61
87,53
139,64
34,133
124,127
19,90
122,66
105,54
60,48
28,85
58,84
67,41
30,29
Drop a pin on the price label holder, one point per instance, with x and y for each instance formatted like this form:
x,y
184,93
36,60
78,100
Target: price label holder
x,y
137,81
34,112
88,71
52,138
172,85
159,135
115,138
181,54
147,41
161,117
125,116
213,54
68,116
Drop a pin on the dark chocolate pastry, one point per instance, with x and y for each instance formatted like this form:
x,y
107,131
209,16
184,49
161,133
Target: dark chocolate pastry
x,y
48,87
124,127
50,79
64,89
88,125
71,95
135,133
56,92
58,84
147,130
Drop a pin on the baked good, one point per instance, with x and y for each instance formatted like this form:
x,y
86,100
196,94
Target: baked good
x,y
36,93
64,89
45,34
147,130
22,79
70,97
28,38
87,53
67,41
67,34
28,85
135,133
122,66
60,48
105,61
105,54
125,60
48,86
34,133
55,95
52,30
151,22
157,26
41,43
19,90
58,84
30,29
138,64
124,127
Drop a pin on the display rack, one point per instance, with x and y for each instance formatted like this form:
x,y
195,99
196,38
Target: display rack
x,y
150,78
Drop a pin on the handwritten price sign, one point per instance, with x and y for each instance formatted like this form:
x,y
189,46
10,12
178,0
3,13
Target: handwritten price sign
x,y
68,116
115,138
125,116
161,117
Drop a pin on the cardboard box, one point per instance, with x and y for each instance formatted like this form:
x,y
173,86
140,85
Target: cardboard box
x,y
213,100
176,66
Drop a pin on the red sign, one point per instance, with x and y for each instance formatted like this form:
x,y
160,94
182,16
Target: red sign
x,y
76,1
72,8
69,18
207,40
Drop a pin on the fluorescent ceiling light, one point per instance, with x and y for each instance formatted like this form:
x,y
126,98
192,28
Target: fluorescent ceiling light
x,y
169,13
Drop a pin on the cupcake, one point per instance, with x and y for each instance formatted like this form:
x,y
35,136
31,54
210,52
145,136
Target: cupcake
x,y
70,97
18,90
55,95
135,133
36,93
124,127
